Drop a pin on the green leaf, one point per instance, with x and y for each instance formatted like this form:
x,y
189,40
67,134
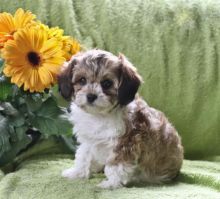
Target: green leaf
x,y
21,134
5,88
4,136
12,134
12,140
47,119
64,126
33,103
10,152
1,64
49,109
45,125
8,109
17,120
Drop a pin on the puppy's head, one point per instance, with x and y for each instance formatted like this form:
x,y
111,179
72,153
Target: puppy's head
x,y
97,81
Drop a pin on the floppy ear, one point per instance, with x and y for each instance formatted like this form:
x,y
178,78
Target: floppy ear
x,y
130,81
65,81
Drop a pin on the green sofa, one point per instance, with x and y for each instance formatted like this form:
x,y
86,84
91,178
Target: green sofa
x,y
175,44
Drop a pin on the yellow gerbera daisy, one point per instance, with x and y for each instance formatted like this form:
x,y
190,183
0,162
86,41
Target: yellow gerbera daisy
x,y
52,32
70,47
3,38
32,59
10,24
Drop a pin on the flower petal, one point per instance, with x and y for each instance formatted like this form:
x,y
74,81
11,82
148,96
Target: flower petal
x,y
6,23
23,19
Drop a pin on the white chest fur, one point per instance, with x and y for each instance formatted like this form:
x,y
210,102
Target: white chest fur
x,y
98,132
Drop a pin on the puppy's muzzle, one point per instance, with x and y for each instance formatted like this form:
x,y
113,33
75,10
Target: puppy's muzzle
x,y
91,97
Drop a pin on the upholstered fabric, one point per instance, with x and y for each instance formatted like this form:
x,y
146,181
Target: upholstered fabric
x,y
40,178
174,44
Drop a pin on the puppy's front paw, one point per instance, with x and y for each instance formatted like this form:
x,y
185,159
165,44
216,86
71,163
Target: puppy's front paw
x,y
107,184
69,173
73,173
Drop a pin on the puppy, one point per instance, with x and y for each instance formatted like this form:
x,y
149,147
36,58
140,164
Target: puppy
x,y
117,130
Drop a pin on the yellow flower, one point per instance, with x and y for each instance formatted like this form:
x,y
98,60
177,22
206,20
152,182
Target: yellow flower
x,y
3,38
52,32
9,24
32,59
55,32
70,47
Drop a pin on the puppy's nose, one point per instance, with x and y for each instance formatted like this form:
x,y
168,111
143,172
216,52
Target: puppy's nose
x,y
91,97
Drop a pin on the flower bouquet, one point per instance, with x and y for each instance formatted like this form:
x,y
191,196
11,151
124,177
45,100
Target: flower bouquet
x,y
31,56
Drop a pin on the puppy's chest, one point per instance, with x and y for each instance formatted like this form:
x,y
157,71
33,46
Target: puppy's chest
x,y
97,130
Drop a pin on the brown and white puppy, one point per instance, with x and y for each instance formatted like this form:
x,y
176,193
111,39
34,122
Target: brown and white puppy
x,y
116,129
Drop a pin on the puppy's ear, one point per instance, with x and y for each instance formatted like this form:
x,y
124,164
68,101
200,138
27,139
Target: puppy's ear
x,y
130,81
65,80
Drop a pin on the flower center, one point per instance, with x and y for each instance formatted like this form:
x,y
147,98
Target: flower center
x,y
34,58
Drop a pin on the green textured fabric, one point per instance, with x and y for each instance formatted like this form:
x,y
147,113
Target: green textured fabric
x,y
40,178
174,44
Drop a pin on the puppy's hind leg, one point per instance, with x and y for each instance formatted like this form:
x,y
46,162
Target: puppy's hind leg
x,y
117,176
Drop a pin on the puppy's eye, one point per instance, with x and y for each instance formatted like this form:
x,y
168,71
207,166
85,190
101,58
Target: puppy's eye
x,y
82,81
106,84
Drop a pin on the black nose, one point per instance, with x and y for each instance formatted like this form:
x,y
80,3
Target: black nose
x,y
91,97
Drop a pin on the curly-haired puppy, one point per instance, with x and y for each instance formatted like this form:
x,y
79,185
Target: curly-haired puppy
x,y
117,130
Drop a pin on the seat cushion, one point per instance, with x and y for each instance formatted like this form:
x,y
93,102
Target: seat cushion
x,y
40,177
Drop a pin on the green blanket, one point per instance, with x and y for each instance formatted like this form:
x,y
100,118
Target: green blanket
x,y
40,178
175,45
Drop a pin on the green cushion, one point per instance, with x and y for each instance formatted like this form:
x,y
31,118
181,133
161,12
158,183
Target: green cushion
x,y
175,45
41,178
